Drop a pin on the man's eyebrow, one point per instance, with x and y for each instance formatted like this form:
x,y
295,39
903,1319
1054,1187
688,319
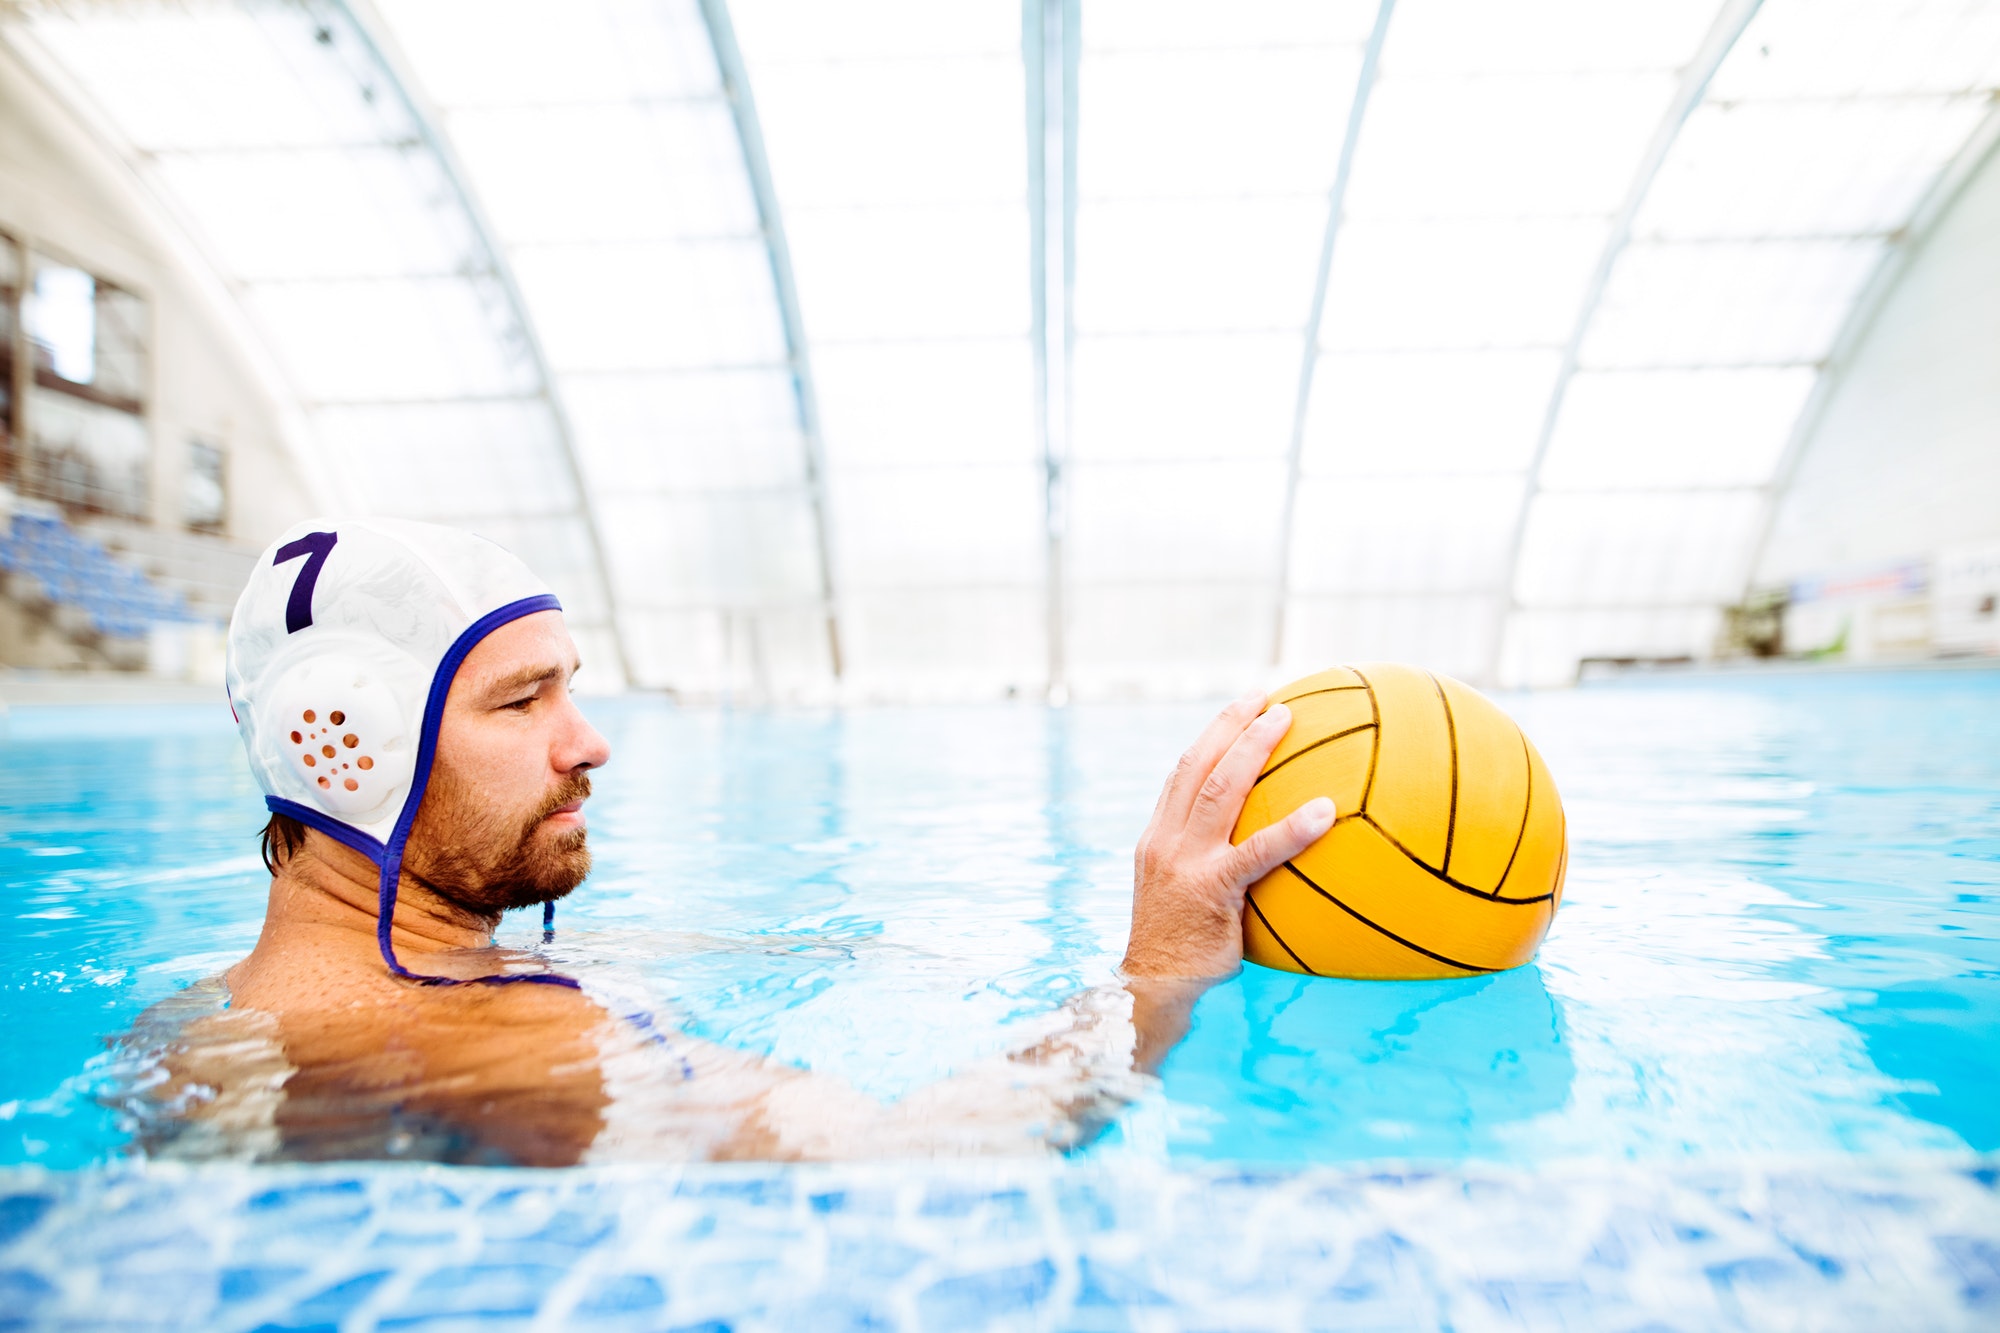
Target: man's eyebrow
x,y
531,675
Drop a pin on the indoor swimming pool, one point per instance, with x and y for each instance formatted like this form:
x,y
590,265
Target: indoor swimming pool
x,y
1751,1080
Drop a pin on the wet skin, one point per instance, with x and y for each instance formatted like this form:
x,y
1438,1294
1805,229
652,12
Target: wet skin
x,y
373,1065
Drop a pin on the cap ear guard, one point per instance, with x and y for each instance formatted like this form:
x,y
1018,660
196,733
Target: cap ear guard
x,y
337,739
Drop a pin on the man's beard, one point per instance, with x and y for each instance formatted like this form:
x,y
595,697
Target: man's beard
x,y
473,856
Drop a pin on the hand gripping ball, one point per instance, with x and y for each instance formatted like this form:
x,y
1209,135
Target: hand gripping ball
x,y
1447,856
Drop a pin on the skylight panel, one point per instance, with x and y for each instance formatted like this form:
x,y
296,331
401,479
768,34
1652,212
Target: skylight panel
x,y
652,306
926,403
1196,265
914,272
1458,285
1503,146
1728,303
626,171
463,460
1166,521
1669,428
804,31
1403,534
1196,25
1196,396
359,212
1213,123
1753,170
365,341
689,431
1545,36
1427,413
1636,549
473,52
709,549
939,526
1862,48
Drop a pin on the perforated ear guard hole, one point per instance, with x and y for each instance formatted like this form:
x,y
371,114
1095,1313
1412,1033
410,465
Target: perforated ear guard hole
x,y
323,741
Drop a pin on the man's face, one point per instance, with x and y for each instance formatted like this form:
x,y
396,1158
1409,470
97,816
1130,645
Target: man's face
x,y
502,821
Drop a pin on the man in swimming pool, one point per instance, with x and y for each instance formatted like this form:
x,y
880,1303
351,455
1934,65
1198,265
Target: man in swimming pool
x,y
323,1053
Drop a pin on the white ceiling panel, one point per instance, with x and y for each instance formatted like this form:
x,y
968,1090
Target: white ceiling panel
x,y
1754,170
1417,535
1458,285
454,460
1151,522
474,52
927,403
1213,122
1722,303
1829,49
1196,265
647,306
1430,413
630,171
405,338
1189,396
1636,549
1640,430
690,431
1447,632
950,271
1196,25
743,548
1503,146
913,527
1545,36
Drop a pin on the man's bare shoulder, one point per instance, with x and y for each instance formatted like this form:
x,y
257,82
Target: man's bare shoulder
x,y
296,980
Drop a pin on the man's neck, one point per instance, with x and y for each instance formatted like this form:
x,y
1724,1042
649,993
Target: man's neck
x,y
328,884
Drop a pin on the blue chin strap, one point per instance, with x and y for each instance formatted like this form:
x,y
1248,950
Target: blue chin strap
x,y
389,856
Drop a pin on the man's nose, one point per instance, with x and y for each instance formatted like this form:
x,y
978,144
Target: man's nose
x,y
582,745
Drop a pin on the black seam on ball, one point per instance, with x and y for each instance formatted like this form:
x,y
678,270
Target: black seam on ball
x,y
1443,878
1279,938
1451,739
1527,808
1308,749
1383,930
1375,747
1307,694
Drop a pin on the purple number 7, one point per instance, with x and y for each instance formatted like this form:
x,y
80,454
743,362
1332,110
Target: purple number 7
x,y
314,546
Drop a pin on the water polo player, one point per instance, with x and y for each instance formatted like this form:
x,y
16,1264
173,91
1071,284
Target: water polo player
x,y
403,692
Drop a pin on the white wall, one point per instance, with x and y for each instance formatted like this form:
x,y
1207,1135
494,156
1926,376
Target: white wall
x,y
1906,459
63,195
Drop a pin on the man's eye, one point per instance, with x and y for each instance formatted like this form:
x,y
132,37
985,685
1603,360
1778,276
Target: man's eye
x,y
520,705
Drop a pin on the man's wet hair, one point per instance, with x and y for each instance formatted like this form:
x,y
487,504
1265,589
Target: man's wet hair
x,y
282,836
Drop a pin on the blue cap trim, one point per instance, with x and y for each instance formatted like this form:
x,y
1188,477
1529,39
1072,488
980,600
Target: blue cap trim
x,y
327,824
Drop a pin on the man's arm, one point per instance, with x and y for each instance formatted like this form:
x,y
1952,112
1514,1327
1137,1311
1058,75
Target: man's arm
x,y
1186,935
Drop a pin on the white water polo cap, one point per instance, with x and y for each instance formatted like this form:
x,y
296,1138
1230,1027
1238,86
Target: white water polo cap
x,y
342,650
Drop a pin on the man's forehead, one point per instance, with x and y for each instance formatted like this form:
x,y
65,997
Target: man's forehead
x,y
532,648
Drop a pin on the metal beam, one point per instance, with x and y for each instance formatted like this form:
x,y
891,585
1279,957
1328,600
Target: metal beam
x,y
1715,47
374,36
1336,205
1050,49
1905,244
750,134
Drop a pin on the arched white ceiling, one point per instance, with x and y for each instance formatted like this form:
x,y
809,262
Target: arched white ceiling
x,y
1141,342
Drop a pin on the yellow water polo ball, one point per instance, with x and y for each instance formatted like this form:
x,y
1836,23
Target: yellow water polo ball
x,y
1448,852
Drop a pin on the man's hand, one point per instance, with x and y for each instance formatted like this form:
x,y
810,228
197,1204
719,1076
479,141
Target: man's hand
x,y
1188,882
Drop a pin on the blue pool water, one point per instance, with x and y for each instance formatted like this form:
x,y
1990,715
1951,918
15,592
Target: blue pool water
x,y
1752,1079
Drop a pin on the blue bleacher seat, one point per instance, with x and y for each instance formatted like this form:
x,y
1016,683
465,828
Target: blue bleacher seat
x,y
117,600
